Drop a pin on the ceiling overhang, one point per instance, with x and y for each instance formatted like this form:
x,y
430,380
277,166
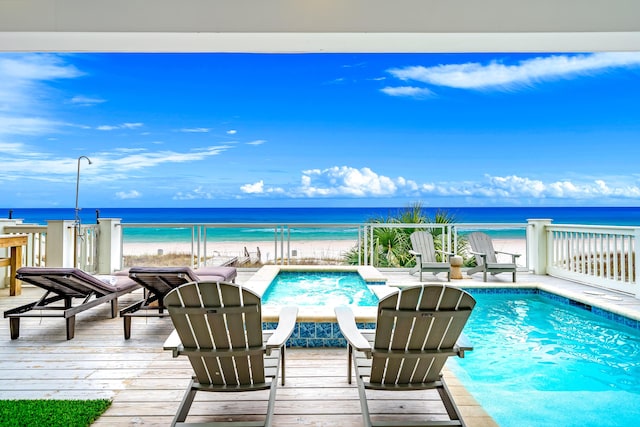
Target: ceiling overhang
x,y
319,25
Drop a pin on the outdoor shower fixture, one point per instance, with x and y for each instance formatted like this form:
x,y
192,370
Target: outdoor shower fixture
x,y
77,230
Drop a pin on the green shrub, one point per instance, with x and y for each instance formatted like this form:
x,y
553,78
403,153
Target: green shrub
x,y
391,245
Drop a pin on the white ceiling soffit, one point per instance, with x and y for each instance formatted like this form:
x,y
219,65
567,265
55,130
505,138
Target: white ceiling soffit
x,y
319,25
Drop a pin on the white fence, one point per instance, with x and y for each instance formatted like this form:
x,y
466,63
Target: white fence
x,y
602,256
597,255
60,244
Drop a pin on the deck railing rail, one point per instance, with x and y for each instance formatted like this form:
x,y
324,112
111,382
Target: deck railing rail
x,y
202,238
87,247
34,255
602,256
599,255
39,243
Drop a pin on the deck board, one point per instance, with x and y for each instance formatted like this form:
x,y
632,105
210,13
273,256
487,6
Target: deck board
x,y
146,384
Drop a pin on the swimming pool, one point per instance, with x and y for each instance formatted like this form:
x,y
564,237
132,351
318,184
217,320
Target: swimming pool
x,y
538,362
319,288
316,324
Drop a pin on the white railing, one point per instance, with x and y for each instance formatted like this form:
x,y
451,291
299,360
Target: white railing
x,y
598,255
602,256
34,254
202,240
87,248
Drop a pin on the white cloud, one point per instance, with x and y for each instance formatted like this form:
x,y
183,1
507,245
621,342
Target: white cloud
x,y
195,130
344,181
141,160
528,72
86,101
255,188
120,126
348,181
232,132
16,125
36,67
11,147
410,91
257,142
521,187
24,92
19,161
196,194
124,195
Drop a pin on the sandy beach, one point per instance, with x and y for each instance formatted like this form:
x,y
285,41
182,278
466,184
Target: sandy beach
x,y
299,249
316,249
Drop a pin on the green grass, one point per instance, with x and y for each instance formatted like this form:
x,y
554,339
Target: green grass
x,y
51,413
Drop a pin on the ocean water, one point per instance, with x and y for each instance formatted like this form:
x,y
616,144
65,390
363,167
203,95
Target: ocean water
x,y
629,216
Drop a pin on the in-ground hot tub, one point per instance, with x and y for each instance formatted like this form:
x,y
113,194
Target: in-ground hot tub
x,y
316,325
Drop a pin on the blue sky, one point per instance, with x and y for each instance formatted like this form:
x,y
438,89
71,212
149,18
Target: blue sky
x,y
253,130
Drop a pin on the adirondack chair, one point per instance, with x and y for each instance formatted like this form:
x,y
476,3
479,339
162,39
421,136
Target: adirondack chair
x,y
417,330
425,253
219,327
485,255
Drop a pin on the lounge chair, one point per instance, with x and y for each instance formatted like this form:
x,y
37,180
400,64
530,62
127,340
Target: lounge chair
x,y
219,327
417,330
485,255
158,281
425,253
66,284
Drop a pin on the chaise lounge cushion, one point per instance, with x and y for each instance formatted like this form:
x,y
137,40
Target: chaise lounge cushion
x,y
73,282
228,274
62,286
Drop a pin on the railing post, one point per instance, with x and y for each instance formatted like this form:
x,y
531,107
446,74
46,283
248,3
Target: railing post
x,y
109,245
633,254
537,245
60,243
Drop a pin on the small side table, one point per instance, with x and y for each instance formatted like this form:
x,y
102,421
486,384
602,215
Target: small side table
x,y
14,262
456,266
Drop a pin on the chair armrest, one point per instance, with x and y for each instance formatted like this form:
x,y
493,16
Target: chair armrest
x,y
513,256
463,344
286,324
418,257
482,254
173,343
348,327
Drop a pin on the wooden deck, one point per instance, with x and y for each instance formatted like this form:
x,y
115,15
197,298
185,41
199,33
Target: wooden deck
x,y
146,384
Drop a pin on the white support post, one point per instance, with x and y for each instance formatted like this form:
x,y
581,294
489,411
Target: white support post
x,y
109,245
537,245
60,243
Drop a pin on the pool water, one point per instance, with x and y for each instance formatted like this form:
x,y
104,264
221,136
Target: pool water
x,y
319,289
538,362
